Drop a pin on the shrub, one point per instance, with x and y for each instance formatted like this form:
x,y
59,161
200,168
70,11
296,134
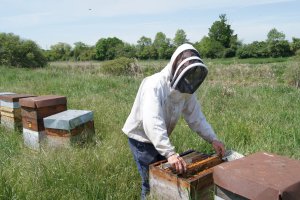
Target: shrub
x,y
229,53
295,45
279,48
297,53
210,48
253,50
121,66
292,75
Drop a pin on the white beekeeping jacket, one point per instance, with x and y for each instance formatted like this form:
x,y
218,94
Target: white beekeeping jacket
x,y
158,106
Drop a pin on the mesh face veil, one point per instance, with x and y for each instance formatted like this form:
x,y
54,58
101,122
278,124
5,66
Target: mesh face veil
x,y
188,72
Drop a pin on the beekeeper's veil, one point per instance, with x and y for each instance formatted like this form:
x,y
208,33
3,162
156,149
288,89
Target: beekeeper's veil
x,y
187,69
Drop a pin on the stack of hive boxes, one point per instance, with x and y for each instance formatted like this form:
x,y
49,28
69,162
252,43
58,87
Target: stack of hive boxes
x,y
1,94
45,119
69,127
10,110
33,110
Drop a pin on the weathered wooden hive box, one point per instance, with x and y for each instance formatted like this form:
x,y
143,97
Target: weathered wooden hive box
x,y
260,176
194,184
11,111
34,110
69,127
1,94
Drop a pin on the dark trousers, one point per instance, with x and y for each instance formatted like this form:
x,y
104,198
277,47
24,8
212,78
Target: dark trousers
x,y
144,154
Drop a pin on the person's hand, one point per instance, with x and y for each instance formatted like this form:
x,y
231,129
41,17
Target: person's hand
x,y
177,163
219,147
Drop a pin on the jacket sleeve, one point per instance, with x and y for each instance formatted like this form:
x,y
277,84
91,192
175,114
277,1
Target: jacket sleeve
x,y
154,123
196,120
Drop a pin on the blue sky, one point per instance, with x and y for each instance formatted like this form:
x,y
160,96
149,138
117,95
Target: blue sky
x,y
51,21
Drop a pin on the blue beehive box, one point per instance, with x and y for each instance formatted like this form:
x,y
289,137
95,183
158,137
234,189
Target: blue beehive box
x,y
69,127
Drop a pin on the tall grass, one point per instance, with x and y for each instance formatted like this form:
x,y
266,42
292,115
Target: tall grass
x,y
249,106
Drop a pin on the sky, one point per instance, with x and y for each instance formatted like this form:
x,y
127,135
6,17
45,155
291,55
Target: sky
x,y
48,22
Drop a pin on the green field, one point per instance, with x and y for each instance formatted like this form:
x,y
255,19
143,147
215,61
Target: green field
x,y
252,105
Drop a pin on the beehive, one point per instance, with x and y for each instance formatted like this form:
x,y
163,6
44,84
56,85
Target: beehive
x,y
69,127
195,184
258,176
33,111
1,94
10,110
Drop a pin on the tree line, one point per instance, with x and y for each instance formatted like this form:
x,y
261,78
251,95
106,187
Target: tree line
x,y
221,42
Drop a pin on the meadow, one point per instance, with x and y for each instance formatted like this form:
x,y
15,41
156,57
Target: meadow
x,y
250,103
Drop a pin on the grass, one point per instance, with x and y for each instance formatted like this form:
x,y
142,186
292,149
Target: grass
x,y
249,105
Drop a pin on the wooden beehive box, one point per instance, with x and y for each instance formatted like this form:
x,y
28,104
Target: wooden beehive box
x,y
10,110
195,184
69,127
1,94
33,111
259,176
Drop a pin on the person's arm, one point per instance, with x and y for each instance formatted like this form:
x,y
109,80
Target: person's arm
x,y
197,122
156,130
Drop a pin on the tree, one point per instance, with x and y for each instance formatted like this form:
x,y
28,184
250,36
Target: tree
x,y
221,32
106,49
180,38
20,53
79,49
128,51
280,48
277,45
275,35
295,45
145,49
209,48
162,44
59,51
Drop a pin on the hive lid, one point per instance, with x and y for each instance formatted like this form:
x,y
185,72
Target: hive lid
x,y
43,101
14,97
68,119
6,93
260,176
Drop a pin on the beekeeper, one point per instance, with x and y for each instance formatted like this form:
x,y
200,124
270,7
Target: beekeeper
x,y
160,101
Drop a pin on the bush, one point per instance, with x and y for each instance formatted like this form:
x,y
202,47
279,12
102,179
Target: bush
x,y
121,66
295,45
253,50
279,48
210,48
297,53
229,53
292,75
